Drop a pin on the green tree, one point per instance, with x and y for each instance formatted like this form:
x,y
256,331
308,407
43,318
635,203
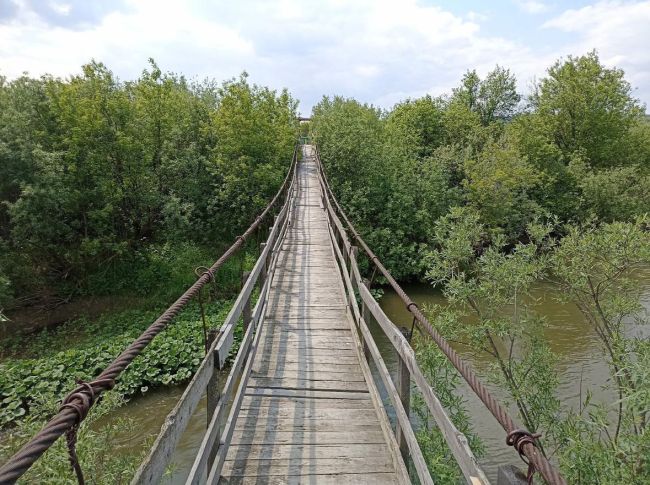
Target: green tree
x,y
494,98
255,130
418,125
492,287
595,267
498,183
587,108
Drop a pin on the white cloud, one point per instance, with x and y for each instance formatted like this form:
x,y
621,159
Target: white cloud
x,y
531,6
618,31
61,8
378,51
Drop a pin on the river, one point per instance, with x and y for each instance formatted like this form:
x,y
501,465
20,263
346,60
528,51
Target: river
x,y
580,366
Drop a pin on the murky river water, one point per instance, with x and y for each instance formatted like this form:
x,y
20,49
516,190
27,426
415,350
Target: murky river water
x,y
580,360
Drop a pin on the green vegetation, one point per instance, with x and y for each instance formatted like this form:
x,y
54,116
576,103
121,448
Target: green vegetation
x,y
95,447
50,367
98,176
484,192
444,379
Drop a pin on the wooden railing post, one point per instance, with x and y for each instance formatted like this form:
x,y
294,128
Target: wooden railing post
x,y
404,391
365,315
246,311
353,251
262,277
213,392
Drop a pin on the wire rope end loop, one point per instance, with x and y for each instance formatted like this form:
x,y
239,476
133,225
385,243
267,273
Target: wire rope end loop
x,y
79,400
518,438
203,270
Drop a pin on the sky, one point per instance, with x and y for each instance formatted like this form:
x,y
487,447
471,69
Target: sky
x,y
377,51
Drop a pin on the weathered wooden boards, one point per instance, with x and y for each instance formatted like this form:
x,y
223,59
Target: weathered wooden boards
x,y
310,412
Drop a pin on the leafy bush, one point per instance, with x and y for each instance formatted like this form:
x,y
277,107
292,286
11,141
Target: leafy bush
x,y
81,349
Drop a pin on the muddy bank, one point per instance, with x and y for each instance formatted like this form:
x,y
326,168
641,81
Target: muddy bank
x,y
27,320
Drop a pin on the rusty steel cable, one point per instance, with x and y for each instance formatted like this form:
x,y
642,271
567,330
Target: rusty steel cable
x,y
77,404
525,441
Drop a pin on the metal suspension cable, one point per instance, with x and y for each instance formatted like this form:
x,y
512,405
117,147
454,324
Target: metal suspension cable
x,y
522,440
77,404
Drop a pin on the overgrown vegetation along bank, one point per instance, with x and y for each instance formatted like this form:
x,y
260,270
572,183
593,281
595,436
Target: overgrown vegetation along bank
x,y
42,367
98,175
484,192
81,349
576,149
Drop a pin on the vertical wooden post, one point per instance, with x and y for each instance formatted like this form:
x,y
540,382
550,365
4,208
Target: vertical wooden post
x,y
404,391
262,277
213,393
366,315
246,311
348,257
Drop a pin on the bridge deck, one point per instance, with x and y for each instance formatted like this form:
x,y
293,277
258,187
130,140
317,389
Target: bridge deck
x,y
310,412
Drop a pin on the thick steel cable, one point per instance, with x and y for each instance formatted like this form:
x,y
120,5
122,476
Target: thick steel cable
x,y
82,398
525,447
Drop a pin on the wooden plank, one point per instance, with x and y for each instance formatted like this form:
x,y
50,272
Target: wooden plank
x,y
260,437
306,313
312,384
307,413
305,426
323,479
306,393
312,375
307,368
306,340
292,466
309,403
314,358
295,331
317,452
287,351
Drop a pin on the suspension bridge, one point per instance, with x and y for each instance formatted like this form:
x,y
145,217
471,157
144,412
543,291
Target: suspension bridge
x,y
299,401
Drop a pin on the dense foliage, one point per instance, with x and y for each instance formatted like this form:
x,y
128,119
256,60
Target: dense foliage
x,y
81,349
578,148
484,193
97,174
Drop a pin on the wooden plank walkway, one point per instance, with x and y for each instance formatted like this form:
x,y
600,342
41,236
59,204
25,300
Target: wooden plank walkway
x,y
311,412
